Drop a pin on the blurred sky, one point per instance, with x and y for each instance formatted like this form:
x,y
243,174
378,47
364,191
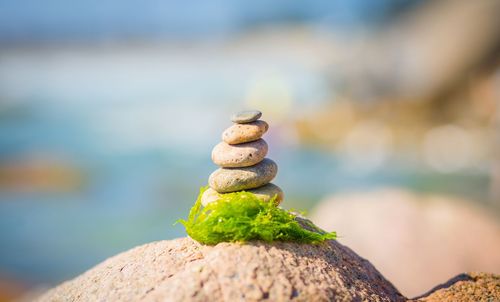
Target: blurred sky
x,y
95,20
109,111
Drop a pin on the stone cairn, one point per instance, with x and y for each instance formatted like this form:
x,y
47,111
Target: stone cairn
x,y
241,158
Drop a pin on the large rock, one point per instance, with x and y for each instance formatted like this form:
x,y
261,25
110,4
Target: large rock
x,y
466,287
416,241
183,270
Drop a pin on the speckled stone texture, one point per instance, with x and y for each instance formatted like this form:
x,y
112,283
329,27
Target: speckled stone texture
x,y
183,270
241,155
225,180
466,287
264,193
243,133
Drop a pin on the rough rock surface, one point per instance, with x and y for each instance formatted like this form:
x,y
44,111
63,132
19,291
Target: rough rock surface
x,y
454,235
466,287
183,270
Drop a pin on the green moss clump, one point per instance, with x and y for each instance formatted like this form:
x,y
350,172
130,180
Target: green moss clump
x,y
241,216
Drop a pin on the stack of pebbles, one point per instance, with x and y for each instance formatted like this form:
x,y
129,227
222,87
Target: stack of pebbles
x,y
241,158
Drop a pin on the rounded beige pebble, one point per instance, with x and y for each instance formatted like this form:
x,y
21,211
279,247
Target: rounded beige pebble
x,y
210,195
267,192
225,180
242,155
244,133
264,193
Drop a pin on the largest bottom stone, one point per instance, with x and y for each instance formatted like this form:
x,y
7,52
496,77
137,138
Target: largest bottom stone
x,y
264,193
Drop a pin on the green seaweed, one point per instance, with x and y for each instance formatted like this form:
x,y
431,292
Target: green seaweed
x,y
241,216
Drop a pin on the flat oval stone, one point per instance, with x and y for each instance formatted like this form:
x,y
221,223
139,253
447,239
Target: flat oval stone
x,y
210,195
247,116
225,180
244,133
242,155
264,193
267,192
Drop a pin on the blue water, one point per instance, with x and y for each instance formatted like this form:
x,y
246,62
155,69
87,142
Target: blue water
x,y
31,20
